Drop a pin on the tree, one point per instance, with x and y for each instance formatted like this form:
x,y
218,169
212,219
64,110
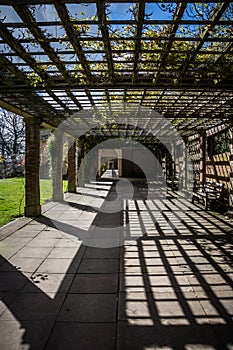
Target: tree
x,y
12,141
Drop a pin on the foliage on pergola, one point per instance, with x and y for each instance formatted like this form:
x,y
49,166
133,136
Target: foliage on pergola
x,y
60,57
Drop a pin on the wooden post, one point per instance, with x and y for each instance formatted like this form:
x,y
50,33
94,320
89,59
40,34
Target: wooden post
x,y
203,151
72,169
32,168
174,151
231,168
185,163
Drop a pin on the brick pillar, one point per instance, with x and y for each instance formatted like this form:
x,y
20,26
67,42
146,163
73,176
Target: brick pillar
x,y
57,164
203,151
231,166
72,171
32,168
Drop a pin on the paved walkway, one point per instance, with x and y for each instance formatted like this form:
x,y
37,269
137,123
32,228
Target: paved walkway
x,y
167,287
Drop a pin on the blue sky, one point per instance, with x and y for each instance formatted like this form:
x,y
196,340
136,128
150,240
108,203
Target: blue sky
x,y
118,11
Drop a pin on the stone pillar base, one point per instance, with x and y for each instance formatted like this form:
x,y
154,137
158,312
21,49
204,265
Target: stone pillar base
x,y
58,197
34,210
72,190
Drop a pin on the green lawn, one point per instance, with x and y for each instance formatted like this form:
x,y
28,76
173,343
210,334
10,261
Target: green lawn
x,y
12,198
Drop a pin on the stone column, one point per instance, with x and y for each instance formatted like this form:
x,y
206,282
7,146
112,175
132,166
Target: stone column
x,y
119,162
120,166
80,153
203,150
99,162
168,164
57,165
72,169
80,157
231,168
32,168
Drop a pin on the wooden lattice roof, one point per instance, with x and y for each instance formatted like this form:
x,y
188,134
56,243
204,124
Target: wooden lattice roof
x,y
58,57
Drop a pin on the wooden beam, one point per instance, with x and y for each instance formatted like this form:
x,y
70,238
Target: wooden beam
x,y
29,21
8,106
180,9
203,37
105,34
22,53
35,99
120,22
73,37
138,35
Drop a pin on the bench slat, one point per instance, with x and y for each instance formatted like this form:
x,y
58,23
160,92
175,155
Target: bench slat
x,y
212,191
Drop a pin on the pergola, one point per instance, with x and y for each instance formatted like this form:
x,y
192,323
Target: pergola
x,y
60,57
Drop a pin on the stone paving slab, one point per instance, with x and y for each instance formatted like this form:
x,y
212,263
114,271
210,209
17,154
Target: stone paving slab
x,y
26,335
98,266
169,289
14,241
41,242
83,336
33,252
68,243
13,226
12,281
49,282
89,308
8,297
22,264
58,265
102,253
35,306
95,283
158,337
63,252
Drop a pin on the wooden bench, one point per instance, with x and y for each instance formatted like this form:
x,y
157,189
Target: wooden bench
x,y
211,193
173,183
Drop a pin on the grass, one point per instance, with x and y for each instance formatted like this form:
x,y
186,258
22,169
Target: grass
x,y
12,198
